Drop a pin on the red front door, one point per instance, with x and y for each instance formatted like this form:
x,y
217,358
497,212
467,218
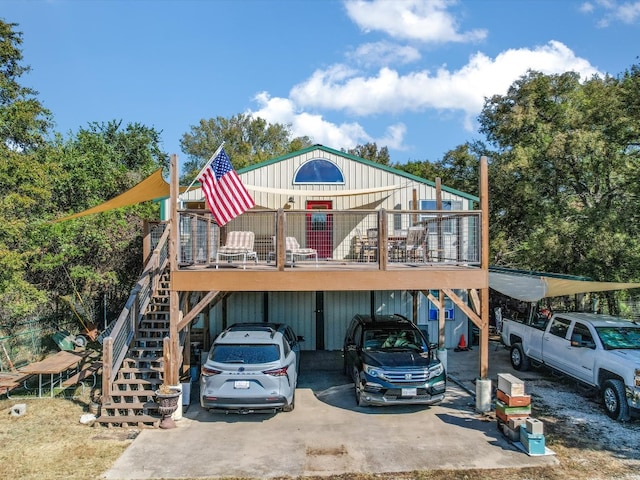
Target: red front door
x,y
320,227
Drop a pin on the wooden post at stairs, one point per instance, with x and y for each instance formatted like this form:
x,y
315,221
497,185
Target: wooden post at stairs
x,y
107,362
171,366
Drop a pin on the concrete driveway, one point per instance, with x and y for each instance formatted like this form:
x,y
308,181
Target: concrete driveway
x,y
327,434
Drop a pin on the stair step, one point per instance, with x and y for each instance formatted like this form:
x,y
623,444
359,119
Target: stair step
x,y
137,381
132,393
148,405
129,420
145,370
145,349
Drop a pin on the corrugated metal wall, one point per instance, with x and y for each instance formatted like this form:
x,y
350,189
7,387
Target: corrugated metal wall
x,y
298,310
339,309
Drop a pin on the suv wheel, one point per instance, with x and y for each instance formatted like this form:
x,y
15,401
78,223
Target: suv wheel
x,y
361,402
291,406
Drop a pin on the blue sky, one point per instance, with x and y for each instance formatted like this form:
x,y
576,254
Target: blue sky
x,y
411,75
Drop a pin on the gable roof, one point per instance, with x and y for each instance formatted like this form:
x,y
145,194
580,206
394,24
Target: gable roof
x,y
364,161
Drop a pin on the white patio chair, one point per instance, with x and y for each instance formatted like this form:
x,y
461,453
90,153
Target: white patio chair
x,y
238,245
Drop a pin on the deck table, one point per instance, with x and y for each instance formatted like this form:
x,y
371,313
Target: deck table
x,y
57,366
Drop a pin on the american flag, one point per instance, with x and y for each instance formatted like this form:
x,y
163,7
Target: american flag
x,y
224,192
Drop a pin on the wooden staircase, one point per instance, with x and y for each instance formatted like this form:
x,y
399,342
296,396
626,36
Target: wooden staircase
x,y
132,401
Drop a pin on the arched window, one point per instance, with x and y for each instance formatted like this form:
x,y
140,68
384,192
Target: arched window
x,y
318,171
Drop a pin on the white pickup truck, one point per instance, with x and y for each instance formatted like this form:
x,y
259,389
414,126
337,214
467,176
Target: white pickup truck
x,y
598,350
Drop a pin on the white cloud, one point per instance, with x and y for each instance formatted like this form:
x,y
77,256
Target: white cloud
x,y
283,110
341,88
383,53
614,12
338,88
422,20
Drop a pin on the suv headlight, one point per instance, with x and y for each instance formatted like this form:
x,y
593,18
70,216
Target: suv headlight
x,y
373,371
436,371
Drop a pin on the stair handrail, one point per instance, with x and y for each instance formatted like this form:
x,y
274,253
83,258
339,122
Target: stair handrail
x,y
116,346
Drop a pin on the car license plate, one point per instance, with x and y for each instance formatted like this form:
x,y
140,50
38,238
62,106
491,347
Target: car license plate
x,y
241,384
409,392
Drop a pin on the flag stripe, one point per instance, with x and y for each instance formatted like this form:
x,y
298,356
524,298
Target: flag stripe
x,y
225,195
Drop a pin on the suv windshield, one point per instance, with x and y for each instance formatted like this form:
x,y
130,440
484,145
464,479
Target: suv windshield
x,y
385,339
248,354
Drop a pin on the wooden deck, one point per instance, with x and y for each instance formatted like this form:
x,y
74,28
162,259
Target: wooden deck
x,y
328,275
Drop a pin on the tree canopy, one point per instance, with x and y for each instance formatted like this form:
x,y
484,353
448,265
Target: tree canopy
x,y
564,174
248,140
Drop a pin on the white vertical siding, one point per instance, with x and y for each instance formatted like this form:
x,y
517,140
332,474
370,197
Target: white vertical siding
x,y
296,309
339,309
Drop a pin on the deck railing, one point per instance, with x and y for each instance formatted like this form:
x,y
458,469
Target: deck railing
x,y
381,237
116,345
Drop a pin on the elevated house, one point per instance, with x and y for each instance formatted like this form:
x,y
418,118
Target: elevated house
x,y
331,235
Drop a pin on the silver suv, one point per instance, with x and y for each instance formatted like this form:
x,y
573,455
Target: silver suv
x,y
251,367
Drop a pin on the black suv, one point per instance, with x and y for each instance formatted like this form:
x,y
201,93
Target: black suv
x,y
391,363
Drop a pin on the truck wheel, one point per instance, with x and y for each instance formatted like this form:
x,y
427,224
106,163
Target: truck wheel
x,y
519,361
615,400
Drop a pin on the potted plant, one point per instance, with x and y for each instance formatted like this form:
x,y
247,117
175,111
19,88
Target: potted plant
x,y
167,398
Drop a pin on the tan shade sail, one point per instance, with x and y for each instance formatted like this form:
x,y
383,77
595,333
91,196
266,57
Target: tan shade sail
x,y
531,288
154,186
322,193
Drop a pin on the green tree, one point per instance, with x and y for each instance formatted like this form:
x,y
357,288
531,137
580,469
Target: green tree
x,y
564,175
24,174
98,254
248,140
369,151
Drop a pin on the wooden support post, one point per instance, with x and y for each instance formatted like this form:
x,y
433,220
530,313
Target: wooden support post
x,y
383,239
281,256
439,229
107,362
146,242
171,344
442,321
484,292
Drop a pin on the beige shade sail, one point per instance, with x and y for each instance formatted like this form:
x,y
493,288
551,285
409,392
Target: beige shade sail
x,y
531,288
151,188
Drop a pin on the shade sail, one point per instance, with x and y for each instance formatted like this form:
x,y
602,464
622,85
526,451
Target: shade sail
x,y
322,193
534,287
151,188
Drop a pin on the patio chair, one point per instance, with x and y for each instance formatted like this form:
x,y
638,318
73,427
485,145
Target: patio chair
x,y
415,248
368,250
292,251
238,244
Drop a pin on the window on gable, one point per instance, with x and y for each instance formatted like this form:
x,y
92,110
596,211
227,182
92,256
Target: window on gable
x,y
448,226
318,171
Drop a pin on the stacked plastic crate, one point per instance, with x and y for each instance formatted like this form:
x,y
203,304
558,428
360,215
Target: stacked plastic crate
x,y
513,411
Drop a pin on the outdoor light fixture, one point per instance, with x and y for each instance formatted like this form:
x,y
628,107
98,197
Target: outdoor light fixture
x,y
291,200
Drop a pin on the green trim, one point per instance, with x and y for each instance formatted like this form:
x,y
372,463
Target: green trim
x,y
453,191
532,273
